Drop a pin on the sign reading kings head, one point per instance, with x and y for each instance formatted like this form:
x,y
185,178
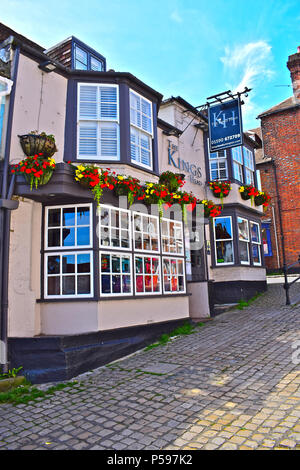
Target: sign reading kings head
x,y
225,125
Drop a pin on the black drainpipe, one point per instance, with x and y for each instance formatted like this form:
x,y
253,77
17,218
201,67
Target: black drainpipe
x,y
279,214
6,205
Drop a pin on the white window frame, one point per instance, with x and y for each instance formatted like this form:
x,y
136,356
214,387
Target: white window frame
x,y
100,122
223,240
256,243
249,165
61,275
217,160
247,241
119,254
238,163
140,130
176,275
168,237
60,227
99,225
150,255
138,250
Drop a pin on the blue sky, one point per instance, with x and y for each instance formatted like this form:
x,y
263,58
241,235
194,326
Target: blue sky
x,y
191,48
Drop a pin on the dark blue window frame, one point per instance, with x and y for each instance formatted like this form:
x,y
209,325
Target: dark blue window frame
x,y
90,53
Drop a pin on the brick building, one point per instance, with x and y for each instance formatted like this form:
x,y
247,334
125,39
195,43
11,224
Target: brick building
x,y
278,163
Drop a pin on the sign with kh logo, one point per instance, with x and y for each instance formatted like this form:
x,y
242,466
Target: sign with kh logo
x,y
225,125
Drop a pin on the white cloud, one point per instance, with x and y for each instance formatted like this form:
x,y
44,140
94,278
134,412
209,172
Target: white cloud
x,y
248,65
175,16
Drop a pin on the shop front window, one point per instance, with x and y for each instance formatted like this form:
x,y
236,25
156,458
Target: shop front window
x,y
68,274
172,237
223,240
173,275
115,274
114,228
147,275
145,232
133,260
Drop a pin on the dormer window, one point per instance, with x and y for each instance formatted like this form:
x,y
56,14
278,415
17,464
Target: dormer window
x,y
84,60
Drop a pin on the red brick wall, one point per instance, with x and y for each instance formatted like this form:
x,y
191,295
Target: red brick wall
x,y
281,138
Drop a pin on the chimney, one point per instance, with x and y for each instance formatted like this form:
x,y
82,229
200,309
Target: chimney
x,y
293,65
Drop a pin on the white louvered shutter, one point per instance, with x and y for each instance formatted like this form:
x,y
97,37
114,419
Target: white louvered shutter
x,y
98,128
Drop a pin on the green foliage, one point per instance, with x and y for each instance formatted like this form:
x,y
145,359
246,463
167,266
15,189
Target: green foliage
x,y
11,373
244,303
185,329
27,393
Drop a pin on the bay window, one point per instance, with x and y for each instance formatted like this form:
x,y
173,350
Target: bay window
x,y
240,236
223,240
255,243
135,253
98,122
141,130
243,230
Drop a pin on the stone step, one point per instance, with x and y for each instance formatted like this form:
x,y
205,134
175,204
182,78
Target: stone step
x,y
221,308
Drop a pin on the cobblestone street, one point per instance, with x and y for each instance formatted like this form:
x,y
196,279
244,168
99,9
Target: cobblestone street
x,y
233,384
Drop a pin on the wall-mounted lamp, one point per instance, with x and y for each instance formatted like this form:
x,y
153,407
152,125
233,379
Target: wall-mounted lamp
x,y
47,66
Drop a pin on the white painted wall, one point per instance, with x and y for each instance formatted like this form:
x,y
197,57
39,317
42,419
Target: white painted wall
x,y
40,104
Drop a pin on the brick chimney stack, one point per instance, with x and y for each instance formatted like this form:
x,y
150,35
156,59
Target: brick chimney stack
x,y
293,65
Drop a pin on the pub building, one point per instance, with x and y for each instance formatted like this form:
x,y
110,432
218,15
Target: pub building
x,y
86,284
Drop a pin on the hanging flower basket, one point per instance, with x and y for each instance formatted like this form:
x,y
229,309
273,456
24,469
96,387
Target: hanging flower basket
x,y
36,170
34,143
248,192
173,181
220,189
262,199
128,186
210,208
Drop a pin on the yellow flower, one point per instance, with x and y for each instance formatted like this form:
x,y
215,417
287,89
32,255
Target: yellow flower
x,y
149,185
241,189
120,177
80,168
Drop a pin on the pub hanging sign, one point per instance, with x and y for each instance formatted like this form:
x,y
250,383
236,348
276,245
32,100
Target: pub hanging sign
x,y
225,125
